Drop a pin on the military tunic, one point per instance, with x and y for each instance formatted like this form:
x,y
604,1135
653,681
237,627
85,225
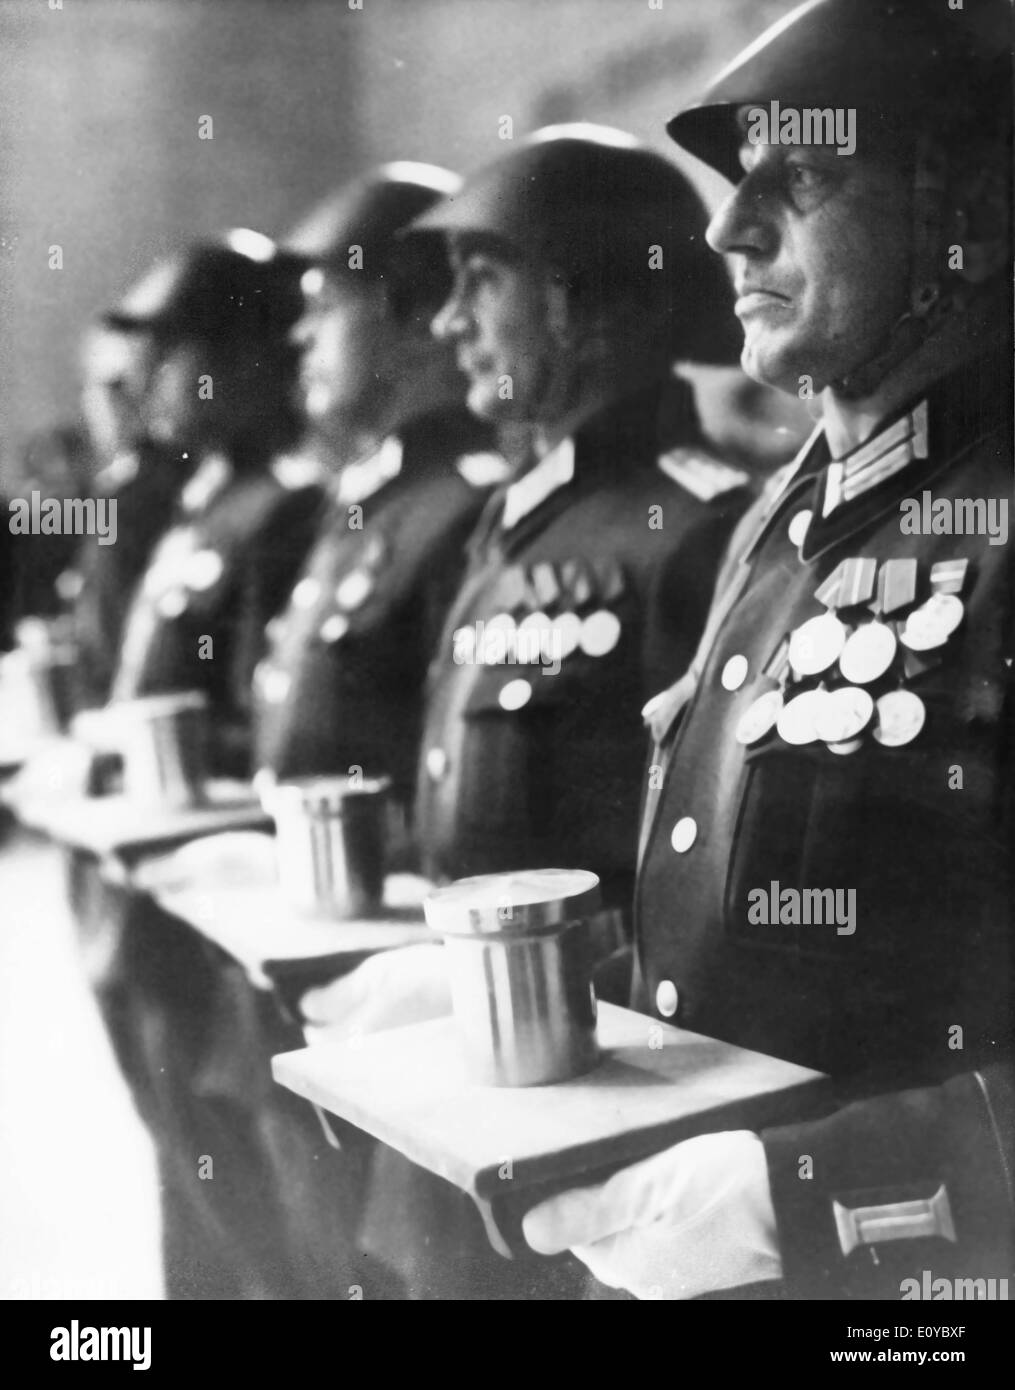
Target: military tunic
x,y
892,782
342,682
217,576
523,768
527,765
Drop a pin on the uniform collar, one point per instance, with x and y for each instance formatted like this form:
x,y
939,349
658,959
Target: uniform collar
x,y
903,454
359,481
213,475
554,471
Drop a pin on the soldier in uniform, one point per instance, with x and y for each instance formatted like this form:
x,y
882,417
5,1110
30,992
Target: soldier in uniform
x,y
341,685
221,394
843,728
533,744
141,475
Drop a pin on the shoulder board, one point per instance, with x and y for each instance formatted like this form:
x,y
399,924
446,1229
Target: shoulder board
x,y
703,476
483,470
295,471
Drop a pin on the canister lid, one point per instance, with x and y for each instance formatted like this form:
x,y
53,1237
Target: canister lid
x,y
524,903
320,795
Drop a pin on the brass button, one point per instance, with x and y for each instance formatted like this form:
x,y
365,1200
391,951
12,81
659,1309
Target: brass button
x,y
685,832
667,998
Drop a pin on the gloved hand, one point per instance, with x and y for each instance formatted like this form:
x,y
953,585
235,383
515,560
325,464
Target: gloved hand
x,y
392,988
691,1220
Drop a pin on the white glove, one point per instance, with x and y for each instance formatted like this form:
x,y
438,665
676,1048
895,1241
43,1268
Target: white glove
x,y
691,1220
409,985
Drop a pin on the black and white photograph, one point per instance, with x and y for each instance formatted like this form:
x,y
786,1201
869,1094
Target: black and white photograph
x,y
506,642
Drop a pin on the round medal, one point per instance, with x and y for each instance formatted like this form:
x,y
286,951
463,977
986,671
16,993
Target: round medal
x,y
844,714
759,718
306,593
797,723
204,569
850,746
901,716
567,628
600,633
933,622
498,640
868,653
816,645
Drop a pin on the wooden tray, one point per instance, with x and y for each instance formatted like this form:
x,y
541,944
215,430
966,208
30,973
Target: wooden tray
x,y
225,888
115,826
407,1087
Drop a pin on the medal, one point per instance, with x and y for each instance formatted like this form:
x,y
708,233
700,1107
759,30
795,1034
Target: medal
x,y
901,716
853,745
204,569
499,636
306,593
600,633
797,721
567,628
759,718
931,624
868,653
843,714
815,646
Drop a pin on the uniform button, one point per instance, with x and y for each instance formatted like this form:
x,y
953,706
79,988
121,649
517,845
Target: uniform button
x,y
734,673
798,528
667,998
685,833
436,763
515,694
354,590
204,570
333,629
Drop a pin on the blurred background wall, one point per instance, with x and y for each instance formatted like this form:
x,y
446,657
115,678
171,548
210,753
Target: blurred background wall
x,y
101,100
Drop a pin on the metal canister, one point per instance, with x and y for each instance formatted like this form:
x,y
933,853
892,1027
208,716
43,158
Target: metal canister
x,y
163,740
520,954
331,842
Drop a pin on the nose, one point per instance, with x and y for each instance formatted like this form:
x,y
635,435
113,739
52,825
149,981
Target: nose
x,y
451,320
742,223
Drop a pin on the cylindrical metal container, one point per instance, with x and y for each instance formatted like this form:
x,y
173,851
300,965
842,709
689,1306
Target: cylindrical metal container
x,y
520,960
164,740
331,843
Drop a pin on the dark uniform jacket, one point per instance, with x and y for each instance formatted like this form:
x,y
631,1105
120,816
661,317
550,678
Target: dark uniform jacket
x,y
145,496
221,571
341,685
523,768
909,1011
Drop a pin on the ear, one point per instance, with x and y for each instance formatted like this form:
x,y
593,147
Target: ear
x,y
559,316
980,227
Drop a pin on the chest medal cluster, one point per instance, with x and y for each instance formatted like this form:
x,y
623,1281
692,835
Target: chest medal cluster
x,y
841,674
548,613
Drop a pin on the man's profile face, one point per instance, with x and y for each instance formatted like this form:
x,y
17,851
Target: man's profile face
x,y
497,317
344,337
819,246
